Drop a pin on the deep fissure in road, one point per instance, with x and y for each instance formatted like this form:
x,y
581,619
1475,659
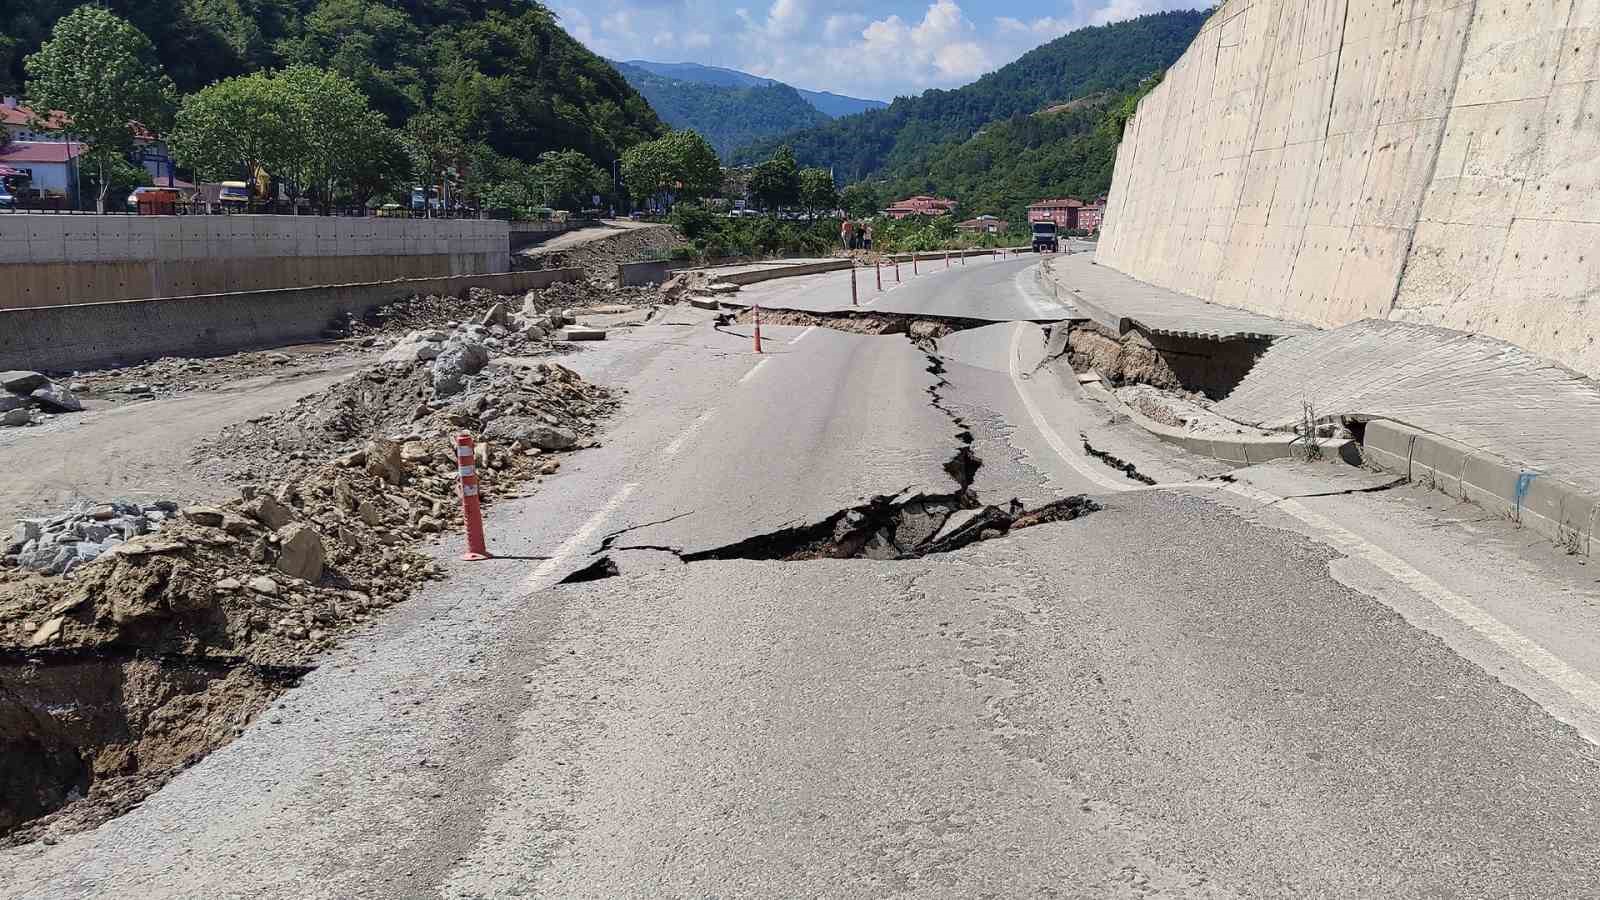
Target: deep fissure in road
x,y
906,525
1115,462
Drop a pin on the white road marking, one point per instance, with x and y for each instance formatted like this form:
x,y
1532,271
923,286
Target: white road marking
x,y
1581,688
754,369
1082,466
673,448
580,538
802,335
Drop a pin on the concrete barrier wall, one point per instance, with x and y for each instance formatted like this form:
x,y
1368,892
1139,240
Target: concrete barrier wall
x,y
90,335
1332,160
53,260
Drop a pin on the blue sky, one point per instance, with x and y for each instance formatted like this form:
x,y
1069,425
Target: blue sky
x,y
864,49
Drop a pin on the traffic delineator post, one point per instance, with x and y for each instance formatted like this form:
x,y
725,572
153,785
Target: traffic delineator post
x,y
897,271
471,512
947,259
853,299
913,262
757,309
877,270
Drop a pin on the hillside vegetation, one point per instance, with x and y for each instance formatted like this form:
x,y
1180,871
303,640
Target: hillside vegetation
x,y
913,132
502,71
727,116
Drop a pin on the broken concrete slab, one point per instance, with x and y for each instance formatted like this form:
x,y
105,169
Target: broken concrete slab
x,y
23,382
705,302
581,334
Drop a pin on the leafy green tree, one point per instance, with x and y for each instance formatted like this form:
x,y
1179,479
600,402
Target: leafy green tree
x,y
327,115
776,182
681,165
436,146
121,177
568,179
861,200
381,164
102,73
234,128
817,191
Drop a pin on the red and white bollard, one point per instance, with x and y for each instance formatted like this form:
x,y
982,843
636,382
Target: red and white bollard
x,y
854,301
467,464
757,309
913,262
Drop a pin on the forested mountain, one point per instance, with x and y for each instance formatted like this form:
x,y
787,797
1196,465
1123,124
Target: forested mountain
x,y
503,70
726,115
914,131
1065,152
830,104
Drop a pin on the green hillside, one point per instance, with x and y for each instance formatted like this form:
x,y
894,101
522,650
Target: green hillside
x,y
914,131
504,70
727,116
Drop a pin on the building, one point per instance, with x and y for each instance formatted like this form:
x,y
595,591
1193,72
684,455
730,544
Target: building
x,y
49,167
1092,215
1063,212
984,225
920,206
149,151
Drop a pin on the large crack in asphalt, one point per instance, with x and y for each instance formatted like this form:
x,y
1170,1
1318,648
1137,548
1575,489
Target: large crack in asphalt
x,y
909,524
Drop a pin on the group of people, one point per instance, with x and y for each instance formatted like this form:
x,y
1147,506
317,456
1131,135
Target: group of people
x,y
855,236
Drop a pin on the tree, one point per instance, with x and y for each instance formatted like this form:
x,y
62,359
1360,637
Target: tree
x,y
681,165
103,75
381,165
568,179
436,146
235,128
327,114
776,182
817,192
861,200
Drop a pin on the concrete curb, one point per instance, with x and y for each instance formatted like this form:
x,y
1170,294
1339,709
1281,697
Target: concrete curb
x,y
1562,512
1242,450
789,271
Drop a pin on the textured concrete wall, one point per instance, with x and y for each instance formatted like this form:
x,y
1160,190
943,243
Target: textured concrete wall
x,y
89,335
52,260
1332,160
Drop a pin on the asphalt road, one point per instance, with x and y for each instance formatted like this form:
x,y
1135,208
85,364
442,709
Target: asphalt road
x,y
1181,694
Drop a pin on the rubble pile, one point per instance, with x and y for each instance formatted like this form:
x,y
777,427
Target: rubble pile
x,y
484,307
29,398
55,546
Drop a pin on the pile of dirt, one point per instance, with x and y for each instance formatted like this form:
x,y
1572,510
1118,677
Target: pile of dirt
x,y
600,258
140,662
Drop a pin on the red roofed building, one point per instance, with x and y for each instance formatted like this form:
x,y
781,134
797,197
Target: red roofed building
x,y
920,206
984,225
47,165
149,150
1063,212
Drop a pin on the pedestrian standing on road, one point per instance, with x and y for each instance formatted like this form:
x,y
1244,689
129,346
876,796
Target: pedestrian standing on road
x,y
866,236
846,234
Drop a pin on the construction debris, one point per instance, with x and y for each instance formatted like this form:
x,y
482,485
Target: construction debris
x,y
30,398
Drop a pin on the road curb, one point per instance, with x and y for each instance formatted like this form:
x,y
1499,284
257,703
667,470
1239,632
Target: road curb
x,y
1241,450
1558,510
789,271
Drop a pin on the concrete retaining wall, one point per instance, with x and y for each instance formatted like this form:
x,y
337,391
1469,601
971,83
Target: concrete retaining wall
x,y
53,260
1333,160
639,273
786,271
80,336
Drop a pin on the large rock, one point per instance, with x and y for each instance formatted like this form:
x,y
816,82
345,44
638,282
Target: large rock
x,y
300,552
15,417
532,434
495,316
383,460
56,398
461,354
418,346
8,402
22,382
266,509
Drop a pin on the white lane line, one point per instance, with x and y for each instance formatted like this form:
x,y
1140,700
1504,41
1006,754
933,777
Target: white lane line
x,y
1580,687
802,336
1084,467
580,538
673,448
753,370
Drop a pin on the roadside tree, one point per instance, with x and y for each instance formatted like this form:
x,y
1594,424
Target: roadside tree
x,y
235,129
568,180
776,182
103,75
818,195
680,166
